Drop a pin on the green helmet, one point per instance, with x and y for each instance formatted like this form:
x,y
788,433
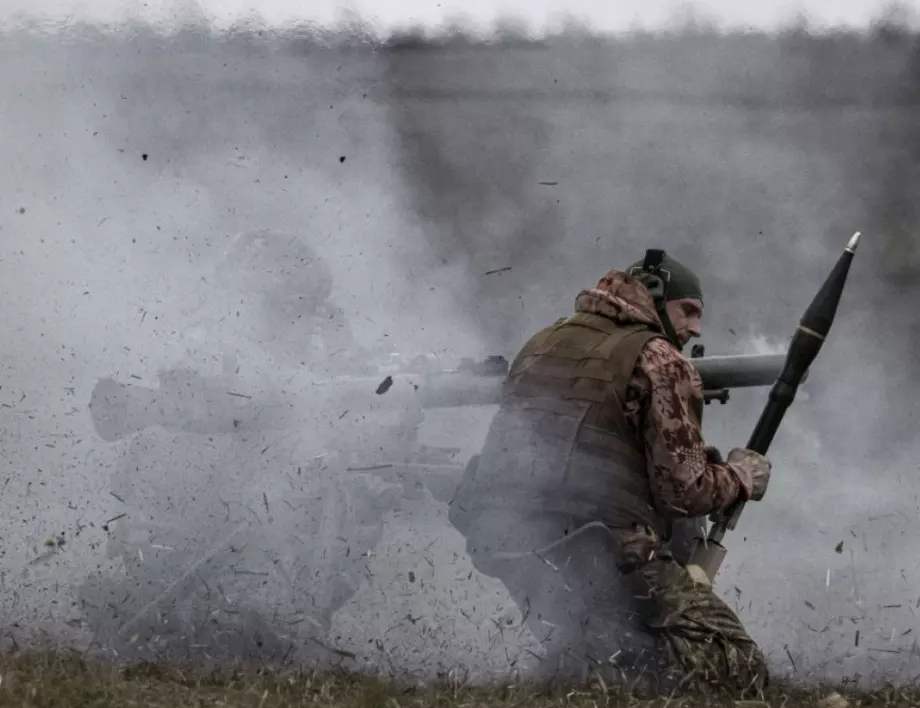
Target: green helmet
x,y
677,280
666,279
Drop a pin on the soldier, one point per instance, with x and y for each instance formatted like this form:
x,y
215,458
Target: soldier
x,y
279,291
237,504
595,452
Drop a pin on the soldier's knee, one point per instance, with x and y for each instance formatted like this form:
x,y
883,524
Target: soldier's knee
x,y
757,667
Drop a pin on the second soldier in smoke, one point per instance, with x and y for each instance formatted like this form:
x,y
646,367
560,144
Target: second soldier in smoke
x,y
242,535
594,455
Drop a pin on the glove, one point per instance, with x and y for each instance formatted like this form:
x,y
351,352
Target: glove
x,y
713,456
753,470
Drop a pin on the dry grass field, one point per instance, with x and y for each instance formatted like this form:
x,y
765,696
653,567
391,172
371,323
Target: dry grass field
x,y
53,680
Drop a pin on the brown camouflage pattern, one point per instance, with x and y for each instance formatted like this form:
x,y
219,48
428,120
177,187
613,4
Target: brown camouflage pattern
x,y
664,402
620,298
688,478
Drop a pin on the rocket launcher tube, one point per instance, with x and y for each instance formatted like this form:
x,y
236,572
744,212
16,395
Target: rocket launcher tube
x,y
718,373
809,337
119,410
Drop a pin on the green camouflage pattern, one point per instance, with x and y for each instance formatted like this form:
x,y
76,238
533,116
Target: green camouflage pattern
x,y
703,637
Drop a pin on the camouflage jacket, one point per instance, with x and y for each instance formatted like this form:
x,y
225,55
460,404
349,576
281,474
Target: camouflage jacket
x,y
664,399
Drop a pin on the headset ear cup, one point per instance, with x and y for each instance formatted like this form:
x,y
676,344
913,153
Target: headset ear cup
x,y
654,285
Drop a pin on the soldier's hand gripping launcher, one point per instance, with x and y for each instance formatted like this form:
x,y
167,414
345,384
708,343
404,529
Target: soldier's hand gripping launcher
x,y
806,343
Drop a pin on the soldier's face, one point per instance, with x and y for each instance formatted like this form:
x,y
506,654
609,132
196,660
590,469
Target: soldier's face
x,y
685,315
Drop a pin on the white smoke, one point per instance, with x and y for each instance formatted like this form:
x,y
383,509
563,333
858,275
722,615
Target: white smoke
x,y
103,249
763,344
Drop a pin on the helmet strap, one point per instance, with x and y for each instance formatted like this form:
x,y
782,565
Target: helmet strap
x,y
667,325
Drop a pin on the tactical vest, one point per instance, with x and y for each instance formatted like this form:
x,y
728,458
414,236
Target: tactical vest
x,y
560,444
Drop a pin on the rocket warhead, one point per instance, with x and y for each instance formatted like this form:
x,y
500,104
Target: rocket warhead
x,y
816,322
806,343
854,242
820,314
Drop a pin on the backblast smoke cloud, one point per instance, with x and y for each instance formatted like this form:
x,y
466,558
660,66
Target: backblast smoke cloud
x,y
461,195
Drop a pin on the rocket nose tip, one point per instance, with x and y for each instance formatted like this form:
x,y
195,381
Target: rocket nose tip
x,y
854,242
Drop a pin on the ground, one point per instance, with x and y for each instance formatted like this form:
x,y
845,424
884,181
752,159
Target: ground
x,y
42,679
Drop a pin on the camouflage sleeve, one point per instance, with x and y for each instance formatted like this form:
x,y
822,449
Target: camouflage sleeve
x,y
687,477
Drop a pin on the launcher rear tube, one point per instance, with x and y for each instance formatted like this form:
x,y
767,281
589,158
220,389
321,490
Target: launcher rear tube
x,y
450,390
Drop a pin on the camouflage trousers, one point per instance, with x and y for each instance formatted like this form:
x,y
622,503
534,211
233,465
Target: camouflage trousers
x,y
704,639
657,628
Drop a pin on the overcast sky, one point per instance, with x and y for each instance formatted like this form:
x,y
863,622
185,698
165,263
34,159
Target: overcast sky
x,y
604,14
